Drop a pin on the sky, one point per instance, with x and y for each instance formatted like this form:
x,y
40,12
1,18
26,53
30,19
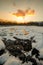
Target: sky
x,y
7,7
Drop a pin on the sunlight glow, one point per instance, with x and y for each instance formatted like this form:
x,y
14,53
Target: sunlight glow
x,y
20,19
23,16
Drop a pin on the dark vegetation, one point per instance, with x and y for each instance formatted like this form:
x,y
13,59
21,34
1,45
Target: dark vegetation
x,y
2,51
31,23
19,46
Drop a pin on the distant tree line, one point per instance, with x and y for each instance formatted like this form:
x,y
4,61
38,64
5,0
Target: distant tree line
x,y
35,23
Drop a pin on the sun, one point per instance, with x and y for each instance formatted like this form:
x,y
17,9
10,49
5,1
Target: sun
x,y
20,19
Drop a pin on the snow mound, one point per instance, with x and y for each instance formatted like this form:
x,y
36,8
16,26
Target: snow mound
x,y
2,46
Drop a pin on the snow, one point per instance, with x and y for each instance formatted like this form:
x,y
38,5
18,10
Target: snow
x,y
4,57
2,46
13,61
19,31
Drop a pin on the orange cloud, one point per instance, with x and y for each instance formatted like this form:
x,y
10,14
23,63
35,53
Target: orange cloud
x,y
19,13
30,12
23,13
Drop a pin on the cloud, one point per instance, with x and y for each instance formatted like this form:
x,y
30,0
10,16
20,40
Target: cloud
x,y
19,13
23,13
30,12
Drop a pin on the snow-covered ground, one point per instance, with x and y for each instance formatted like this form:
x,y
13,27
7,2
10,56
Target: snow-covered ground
x,y
23,32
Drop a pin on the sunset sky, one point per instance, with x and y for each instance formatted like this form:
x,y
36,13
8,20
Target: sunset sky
x,y
8,7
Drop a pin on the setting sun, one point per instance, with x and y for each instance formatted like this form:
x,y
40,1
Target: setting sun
x,y
23,16
20,19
